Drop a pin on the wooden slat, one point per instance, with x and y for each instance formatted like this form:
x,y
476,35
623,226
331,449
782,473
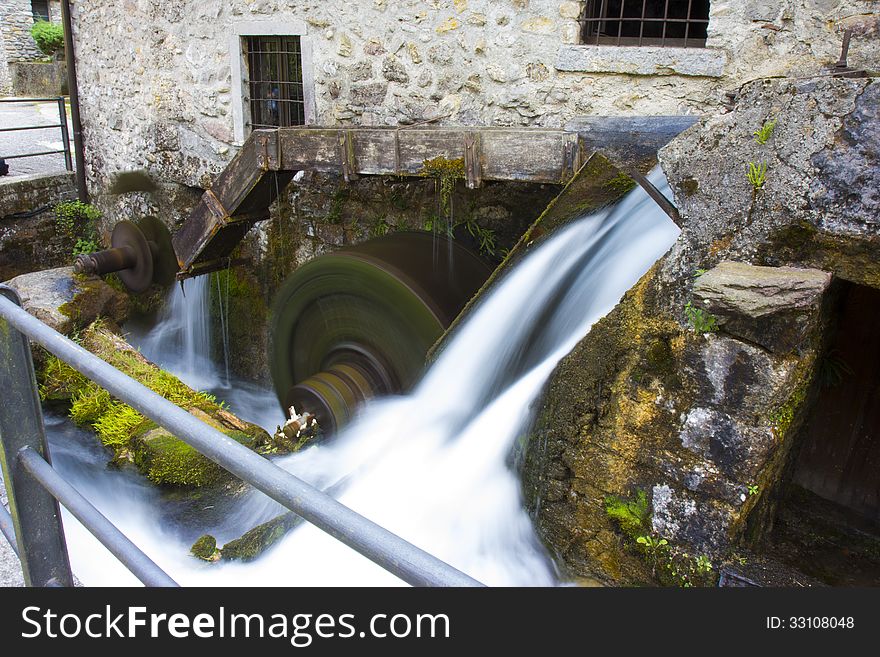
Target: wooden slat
x,y
528,155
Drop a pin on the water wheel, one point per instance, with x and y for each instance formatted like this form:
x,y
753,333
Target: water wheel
x,y
357,323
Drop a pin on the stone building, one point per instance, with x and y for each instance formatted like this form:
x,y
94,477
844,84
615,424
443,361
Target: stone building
x,y
156,75
16,43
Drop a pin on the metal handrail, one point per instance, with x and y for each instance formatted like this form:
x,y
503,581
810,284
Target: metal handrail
x,y
62,124
386,549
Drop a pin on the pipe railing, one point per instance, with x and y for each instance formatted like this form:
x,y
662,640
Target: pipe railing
x,y
35,488
62,124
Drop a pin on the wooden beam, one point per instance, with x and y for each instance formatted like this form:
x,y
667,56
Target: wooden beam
x,y
242,193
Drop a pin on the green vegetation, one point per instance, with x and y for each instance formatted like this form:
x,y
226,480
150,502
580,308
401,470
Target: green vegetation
x,y
259,539
782,418
85,245
764,133
630,515
49,37
757,174
674,567
621,184
700,320
753,489
129,435
77,220
380,227
485,237
446,172
337,203
205,548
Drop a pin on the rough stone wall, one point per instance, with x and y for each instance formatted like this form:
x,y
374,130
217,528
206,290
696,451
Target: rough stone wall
x,y
29,243
5,80
158,91
16,20
701,419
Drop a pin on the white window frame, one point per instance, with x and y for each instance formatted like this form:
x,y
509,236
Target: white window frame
x,y
241,110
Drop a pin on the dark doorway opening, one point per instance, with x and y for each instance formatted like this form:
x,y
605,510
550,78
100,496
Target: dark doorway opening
x,y
828,526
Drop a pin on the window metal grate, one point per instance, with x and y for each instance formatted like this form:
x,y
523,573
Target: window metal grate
x,y
40,10
669,23
276,81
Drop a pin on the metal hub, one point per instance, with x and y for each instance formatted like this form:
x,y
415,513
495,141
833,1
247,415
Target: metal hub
x,y
140,253
357,323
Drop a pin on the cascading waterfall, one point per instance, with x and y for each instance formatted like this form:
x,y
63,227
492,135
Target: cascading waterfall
x,y
431,466
180,342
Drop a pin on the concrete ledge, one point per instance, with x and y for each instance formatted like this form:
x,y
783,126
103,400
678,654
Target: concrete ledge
x,y
642,60
38,78
27,193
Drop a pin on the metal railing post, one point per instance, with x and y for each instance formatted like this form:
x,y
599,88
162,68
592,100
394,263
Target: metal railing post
x,y
35,514
65,135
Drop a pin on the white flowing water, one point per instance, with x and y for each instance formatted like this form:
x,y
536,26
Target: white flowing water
x,y
432,466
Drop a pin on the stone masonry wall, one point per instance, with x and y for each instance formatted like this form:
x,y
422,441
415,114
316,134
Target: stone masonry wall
x,y
158,89
16,19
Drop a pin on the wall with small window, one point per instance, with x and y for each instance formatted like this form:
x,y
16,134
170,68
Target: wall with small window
x,y
16,19
195,77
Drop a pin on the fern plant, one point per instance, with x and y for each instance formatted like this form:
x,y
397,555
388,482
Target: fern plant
x,y
757,174
764,133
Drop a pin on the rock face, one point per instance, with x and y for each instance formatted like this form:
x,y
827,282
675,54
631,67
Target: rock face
x,y
690,393
763,305
65,301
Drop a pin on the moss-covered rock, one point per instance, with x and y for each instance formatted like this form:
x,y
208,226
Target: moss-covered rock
x,y
68,302
259,539
705,423
205,548
133,438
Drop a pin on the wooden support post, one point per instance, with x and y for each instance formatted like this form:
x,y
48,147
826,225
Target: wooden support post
x,y
346,155
268,150
473,160
571,157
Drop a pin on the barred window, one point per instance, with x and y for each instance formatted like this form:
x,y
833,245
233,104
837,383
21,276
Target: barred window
x,y
275,81
671,23
40,10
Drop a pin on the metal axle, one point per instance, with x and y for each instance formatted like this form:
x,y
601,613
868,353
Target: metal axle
x,y
140,253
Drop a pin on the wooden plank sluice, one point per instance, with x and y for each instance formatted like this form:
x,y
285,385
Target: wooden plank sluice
x,y
267,161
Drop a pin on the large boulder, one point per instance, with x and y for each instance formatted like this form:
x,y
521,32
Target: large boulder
x,y
663,438
67,301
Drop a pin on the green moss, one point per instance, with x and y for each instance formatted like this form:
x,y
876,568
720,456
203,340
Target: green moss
x,y
161,457
620,184
689,186
630,515
166,460
446,172
205,548
117,424
59,382
782,418
89,404
259,539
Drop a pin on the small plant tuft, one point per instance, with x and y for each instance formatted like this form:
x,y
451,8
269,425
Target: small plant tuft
x,y
757,174
77,221
764,133
85,245
700,320
630,515
485,237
